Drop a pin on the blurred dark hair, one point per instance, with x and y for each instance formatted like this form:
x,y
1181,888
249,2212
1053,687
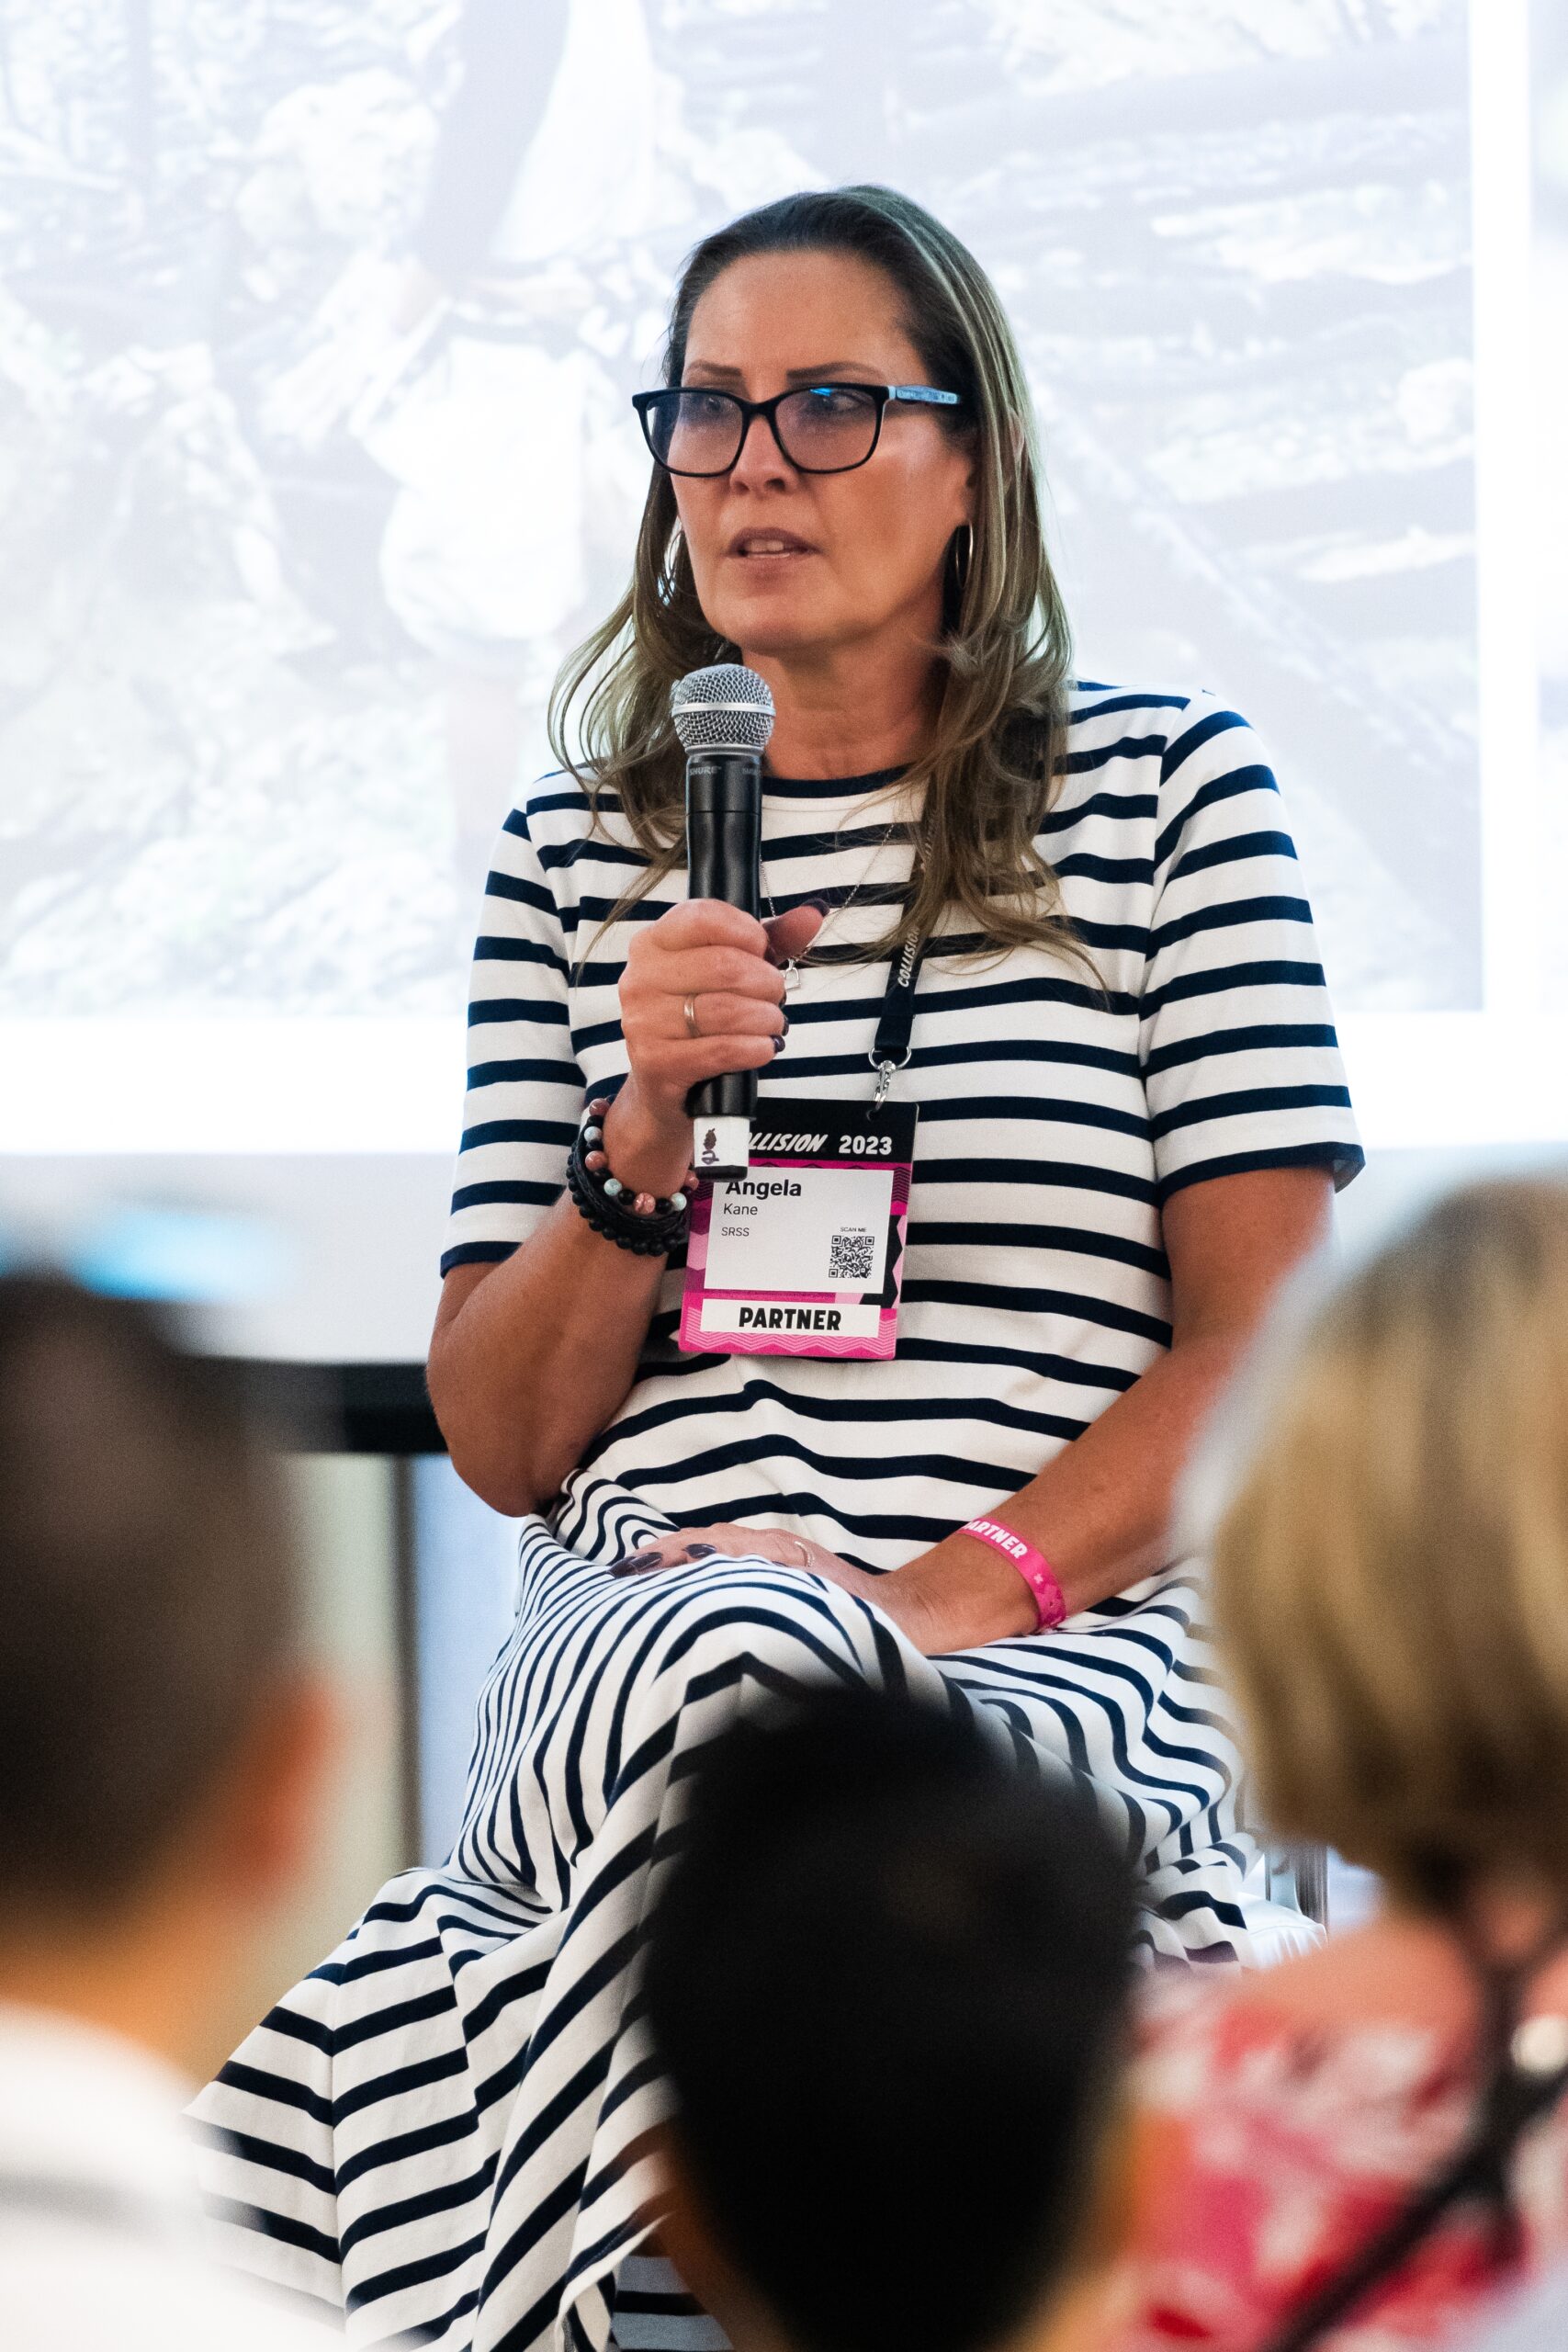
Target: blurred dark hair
x,y
147,1586
888,1980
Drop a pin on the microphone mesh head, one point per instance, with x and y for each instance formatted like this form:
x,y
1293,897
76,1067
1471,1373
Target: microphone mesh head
x,y
726,708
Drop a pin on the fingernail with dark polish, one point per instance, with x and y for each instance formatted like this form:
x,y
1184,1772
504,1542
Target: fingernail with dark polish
x,y
702,1550
635,1563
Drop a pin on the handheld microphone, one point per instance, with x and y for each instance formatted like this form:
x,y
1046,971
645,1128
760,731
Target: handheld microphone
x,y
724,717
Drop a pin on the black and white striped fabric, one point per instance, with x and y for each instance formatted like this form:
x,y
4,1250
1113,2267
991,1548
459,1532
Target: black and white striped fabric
x,y
443,2128
1056,1116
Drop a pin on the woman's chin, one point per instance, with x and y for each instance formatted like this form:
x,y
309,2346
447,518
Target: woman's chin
x,y
767,627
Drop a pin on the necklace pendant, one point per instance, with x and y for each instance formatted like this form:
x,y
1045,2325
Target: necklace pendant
x,y
792,977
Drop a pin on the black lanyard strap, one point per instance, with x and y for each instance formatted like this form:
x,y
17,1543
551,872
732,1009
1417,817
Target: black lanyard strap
x,y
1527,2077
891,1048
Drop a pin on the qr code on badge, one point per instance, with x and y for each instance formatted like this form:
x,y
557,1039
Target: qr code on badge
x,y
851,1256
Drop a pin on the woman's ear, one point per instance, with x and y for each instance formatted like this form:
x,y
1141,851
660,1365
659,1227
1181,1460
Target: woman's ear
x,y
1117,2175
684,2232
687,2239
266,1817
970,492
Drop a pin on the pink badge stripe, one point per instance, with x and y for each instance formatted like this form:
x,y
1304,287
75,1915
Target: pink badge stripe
x,y
1031,1565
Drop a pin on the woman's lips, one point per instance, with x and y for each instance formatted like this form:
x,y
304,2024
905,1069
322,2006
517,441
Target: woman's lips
x,y
768,546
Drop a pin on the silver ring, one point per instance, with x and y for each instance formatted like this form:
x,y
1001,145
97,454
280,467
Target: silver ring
x,y
690,1009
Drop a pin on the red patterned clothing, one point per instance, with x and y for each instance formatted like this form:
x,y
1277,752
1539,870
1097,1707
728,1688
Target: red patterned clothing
x,y
1276,2148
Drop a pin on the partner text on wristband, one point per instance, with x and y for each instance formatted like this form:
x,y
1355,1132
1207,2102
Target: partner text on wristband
x,y
1031,1565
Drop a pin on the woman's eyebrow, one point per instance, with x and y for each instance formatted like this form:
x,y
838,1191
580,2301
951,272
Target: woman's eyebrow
x,y
792,375
831,367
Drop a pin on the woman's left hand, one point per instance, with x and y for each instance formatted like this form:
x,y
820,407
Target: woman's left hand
x,y
726,1541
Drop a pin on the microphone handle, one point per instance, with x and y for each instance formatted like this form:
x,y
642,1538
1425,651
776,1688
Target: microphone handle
x,y
723,842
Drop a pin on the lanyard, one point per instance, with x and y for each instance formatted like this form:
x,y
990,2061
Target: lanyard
x,y
891,1048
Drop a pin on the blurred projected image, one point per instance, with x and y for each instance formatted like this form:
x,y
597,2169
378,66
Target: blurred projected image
x,y
1549,82
317,332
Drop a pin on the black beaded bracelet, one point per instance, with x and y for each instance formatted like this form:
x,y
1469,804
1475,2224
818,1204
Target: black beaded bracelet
x,y
648,1226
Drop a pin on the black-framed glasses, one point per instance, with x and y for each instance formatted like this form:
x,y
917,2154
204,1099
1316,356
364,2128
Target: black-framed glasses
x,y
820,428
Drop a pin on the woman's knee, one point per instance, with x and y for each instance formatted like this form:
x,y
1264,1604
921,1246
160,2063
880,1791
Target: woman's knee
x,y
748,1618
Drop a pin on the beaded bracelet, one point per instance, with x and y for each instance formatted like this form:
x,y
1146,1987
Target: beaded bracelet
x,y
641,1222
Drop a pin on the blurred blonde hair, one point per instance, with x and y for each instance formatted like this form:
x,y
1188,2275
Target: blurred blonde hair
x,y
1390,1570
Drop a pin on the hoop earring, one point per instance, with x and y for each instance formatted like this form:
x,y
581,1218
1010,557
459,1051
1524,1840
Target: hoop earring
x,y
955,578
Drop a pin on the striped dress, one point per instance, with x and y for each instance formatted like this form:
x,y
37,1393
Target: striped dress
x,y
445,2128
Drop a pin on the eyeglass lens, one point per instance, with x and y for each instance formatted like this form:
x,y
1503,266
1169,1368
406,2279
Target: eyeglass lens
x,y
825,429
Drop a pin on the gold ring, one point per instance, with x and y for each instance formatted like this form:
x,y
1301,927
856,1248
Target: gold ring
x,y
689,1010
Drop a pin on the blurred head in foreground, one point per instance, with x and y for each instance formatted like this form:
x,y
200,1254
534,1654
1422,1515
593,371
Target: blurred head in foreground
x,y
159,1745
1391,1573
888,1980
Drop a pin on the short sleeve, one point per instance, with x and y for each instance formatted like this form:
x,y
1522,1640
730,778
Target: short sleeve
x,y
525,1089
1240,1059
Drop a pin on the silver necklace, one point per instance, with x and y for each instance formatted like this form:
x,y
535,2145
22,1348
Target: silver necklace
x,y
792,967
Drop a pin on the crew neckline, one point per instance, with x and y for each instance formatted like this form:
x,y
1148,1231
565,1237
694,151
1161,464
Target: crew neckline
x,y
828,787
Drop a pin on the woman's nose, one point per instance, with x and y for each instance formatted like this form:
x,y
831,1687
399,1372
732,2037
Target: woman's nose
x,y
761,462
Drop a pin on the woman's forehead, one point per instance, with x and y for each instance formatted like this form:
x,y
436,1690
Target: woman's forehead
x,y
799,312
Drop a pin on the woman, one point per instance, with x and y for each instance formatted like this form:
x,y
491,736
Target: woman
x,y
1132,1116
1391,1584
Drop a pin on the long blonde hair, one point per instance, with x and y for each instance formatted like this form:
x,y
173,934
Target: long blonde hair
x,y
1391,1575
998,743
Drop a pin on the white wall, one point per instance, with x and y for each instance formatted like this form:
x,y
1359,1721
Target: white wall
x,y
344,1515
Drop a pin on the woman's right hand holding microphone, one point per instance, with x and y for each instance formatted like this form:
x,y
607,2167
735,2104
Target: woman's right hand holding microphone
x,y
726,970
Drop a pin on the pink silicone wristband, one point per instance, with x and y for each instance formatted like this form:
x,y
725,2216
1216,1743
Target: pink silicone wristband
x,y
1033,1567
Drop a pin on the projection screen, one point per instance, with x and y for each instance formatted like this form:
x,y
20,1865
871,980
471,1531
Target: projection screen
x,y
318,326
